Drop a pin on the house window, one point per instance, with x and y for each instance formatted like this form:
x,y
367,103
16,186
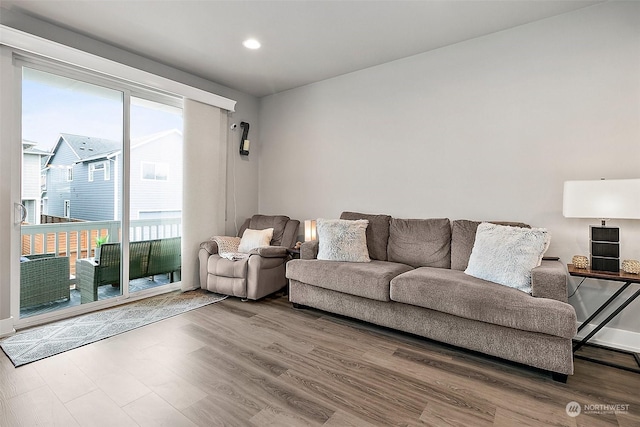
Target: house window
x,y
43,182
98,167
67,208
154,171
69,173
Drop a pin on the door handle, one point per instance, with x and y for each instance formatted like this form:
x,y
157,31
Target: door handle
x,y
20,212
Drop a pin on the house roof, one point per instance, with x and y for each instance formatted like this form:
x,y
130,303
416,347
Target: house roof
x,y
89,147
138,142
30,147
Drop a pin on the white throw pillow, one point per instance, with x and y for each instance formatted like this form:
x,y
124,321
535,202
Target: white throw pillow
x,y
252,239
342,240
506,255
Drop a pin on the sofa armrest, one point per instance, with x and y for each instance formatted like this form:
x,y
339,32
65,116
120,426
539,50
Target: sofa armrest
x,y
272,251
309,250
549,280
210,246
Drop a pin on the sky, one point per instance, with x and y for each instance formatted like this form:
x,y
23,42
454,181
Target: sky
x,y
53,105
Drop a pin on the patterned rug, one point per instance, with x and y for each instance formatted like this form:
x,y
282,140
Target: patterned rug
x,y
48,340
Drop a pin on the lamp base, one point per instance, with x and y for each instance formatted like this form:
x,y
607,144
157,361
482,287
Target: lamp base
x,y
605,249
611,265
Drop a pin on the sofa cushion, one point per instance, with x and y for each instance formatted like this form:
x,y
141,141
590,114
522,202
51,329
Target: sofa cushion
x,y
342,240
420,242
463,236
368,280
218,266
453,292
277,222
377,233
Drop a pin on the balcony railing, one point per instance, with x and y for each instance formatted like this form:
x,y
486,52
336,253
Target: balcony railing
x,y
78,239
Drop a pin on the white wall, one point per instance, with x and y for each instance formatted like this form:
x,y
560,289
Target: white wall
x,y
246,107
486,129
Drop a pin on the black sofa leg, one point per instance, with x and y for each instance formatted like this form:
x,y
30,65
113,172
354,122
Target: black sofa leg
x,y
298,306
561,378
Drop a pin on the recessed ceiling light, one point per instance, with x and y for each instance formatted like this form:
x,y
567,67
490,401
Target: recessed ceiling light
x,y
251,44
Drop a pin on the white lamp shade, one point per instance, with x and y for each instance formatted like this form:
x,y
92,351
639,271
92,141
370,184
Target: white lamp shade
x,y
310,230
602,199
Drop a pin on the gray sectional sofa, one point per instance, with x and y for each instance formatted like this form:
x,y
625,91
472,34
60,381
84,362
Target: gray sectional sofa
x,y
416,283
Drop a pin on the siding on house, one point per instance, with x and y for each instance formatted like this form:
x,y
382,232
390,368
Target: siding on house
x,y
30,183
90,200
58,188
156,198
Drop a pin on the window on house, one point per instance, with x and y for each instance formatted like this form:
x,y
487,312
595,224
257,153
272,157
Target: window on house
x,y
43,182
154,171
69,173
103,167
67,208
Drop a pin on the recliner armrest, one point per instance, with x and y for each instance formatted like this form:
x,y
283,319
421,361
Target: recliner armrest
x,y
549,280
272,251
210,246
309,250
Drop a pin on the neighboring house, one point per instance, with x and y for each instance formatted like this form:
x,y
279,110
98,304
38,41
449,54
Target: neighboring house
x,y
32,159
84,177
81,181
156,176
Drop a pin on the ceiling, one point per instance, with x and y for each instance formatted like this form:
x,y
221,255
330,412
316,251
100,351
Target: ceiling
x,y
302,41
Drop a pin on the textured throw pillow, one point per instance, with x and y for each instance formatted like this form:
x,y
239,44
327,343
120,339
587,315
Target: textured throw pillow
x,y
252,239
227,244
342,240
506,255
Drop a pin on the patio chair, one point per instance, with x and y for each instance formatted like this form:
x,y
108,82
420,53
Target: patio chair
x,y
262,272
164,257
43,278
91,274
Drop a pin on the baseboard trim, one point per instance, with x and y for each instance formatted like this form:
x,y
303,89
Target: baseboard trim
x,y
611,337
6,327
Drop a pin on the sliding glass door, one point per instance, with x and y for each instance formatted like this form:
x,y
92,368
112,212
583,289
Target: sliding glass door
x,y
101,190
155,193
72,144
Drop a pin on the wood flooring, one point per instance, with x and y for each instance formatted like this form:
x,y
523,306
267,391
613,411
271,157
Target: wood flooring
x,y
266,364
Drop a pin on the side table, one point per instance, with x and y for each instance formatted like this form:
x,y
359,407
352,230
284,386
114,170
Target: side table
x,y
294,253
620,277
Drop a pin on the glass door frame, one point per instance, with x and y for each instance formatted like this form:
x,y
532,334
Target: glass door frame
x,y
128,90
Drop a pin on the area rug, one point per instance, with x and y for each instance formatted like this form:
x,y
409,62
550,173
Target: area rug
x,y
48,340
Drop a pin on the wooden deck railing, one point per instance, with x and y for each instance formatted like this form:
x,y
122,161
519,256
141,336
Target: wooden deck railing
x,y
78,239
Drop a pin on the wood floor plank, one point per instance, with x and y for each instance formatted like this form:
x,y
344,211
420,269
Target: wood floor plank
x,y
249,380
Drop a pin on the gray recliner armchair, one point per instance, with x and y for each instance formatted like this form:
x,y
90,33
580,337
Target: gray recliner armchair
x,y
258,275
